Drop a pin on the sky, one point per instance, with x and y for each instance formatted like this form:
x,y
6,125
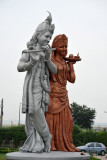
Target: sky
x,y
84,22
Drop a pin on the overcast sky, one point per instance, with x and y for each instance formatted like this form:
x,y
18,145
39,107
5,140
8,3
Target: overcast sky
x,y
85,24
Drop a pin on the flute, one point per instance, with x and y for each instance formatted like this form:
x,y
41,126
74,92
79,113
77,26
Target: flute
x,y
30,51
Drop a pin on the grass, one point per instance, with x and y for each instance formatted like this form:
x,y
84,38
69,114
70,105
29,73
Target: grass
x,y
2,156
93,158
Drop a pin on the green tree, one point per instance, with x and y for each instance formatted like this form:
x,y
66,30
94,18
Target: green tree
x,y
83,116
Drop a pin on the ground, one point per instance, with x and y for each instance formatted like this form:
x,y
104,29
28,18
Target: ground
x,y
102,157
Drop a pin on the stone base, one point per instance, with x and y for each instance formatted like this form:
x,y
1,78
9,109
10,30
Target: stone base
x,y
53,155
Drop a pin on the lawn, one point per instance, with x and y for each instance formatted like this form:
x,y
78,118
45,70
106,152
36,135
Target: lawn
x,y
93,158
2,157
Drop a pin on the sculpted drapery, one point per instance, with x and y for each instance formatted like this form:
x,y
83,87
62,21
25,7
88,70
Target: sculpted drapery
x,y
36,61
59,115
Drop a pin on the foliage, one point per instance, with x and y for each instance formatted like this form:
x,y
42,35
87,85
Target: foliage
x,y
14,133
7,150
102,137
83,115
81,137
78,135
90,136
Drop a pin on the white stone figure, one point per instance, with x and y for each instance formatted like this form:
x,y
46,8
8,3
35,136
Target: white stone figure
x,y
36,61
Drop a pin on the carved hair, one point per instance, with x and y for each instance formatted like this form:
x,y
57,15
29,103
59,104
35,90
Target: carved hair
x,y
58,39
43,27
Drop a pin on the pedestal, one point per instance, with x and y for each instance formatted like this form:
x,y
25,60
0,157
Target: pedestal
x,y
53,155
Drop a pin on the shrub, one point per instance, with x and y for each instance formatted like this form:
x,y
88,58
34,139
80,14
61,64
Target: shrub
x,y
102,137
81,137
89,136
7,150
78,135
14,133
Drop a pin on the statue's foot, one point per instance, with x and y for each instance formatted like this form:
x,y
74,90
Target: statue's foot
x,y
47,144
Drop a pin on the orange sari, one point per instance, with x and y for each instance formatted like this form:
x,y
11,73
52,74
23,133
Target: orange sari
x,y
59,116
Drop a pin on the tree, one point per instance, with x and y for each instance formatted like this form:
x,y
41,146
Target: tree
x,y
83,115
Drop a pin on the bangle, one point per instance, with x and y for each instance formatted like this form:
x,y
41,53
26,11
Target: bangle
x,y
47,60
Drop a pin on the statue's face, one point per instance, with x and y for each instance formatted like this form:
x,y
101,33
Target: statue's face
x,y
44,39
62,48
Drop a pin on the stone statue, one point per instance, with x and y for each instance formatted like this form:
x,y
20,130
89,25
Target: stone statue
x,y
59,115
36,61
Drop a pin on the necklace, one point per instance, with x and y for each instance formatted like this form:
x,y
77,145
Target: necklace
x,y
64,66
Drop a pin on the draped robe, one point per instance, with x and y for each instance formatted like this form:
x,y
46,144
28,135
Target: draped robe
x,y
59,115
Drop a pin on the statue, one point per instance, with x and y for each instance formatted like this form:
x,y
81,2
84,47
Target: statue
x,y
36,61
59,115
49,123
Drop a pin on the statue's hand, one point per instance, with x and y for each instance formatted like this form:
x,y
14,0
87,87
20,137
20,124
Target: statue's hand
x,y
47,50
34,57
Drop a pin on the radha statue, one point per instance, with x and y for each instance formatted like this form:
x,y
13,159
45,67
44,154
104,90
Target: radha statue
x,y
59,115
36,61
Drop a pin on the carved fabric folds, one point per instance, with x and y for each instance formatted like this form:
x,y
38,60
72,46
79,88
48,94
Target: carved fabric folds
x,y
32,104
59,116
27,100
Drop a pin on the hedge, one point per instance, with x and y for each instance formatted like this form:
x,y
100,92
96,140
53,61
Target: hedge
x,y
102,137
80,137
14,133
7,150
